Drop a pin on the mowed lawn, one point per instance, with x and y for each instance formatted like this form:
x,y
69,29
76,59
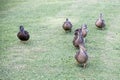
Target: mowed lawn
x,y
49,54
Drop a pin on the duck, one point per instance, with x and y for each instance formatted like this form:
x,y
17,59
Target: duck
x,y
75,35
75,43
81,56
84,30
100,23
23,35
78,39
67,25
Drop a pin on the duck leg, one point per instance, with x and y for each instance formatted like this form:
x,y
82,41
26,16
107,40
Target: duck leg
x,y
84,65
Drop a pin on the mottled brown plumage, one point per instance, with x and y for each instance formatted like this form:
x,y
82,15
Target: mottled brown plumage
x,y
81,56
23,35
84,30
100,23
67,25
78,39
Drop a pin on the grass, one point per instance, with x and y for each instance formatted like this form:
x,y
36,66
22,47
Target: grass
x,y
49,54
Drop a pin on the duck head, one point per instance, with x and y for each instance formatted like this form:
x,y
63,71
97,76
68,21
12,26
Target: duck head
x,y
21,28
101,16
84,26
66,19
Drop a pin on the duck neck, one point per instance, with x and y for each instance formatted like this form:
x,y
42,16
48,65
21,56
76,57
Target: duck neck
x,y
82,47
22,29
78,35
66,19
100,16
82,50
82,29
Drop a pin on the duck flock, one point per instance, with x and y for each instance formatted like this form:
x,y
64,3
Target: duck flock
x,y
81,55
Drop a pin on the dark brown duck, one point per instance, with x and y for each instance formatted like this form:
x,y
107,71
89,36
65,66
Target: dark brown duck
x,y
78,39
67,25
23,35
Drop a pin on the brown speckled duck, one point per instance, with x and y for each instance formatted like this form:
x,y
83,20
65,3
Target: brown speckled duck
x,y
78,39
100,23
81,56
76,36
84,30
22,34
67,25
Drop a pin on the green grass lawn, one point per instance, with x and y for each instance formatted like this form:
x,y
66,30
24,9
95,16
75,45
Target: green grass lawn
x,y
49,54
